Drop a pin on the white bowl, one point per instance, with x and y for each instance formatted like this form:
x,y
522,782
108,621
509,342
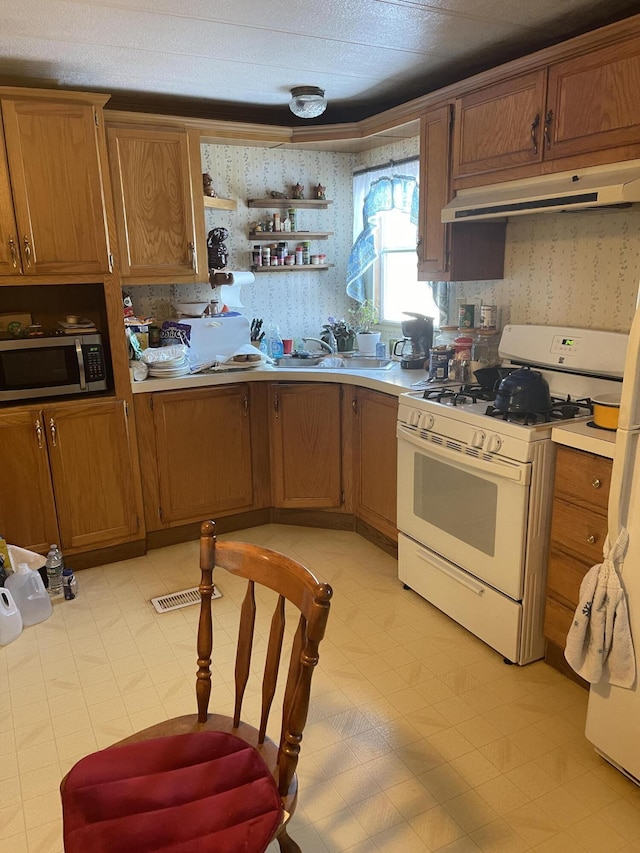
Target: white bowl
x,y
191,309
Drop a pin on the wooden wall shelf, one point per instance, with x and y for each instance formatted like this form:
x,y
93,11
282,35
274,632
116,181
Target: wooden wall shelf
x,y
274,236
320,204
292,268
220,203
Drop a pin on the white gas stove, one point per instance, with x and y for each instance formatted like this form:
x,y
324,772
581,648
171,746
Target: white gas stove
x,y
475,485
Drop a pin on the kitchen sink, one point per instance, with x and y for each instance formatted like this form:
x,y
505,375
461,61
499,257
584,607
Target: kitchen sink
x,y
336,363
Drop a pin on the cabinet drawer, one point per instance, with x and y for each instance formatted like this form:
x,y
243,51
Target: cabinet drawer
x,y
565,574
557,621
583,478
578,530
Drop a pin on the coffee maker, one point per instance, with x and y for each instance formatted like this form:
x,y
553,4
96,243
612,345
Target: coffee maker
x,y
418,338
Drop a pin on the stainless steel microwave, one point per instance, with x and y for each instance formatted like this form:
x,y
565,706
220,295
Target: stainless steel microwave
x,y
51,366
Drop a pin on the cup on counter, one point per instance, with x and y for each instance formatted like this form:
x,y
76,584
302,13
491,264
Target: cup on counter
x,y
287,345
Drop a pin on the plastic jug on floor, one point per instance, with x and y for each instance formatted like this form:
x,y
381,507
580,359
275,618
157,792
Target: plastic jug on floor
x,y
10,618
29,594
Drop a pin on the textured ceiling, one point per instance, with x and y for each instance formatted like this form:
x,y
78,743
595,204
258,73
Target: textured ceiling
x,y
238,59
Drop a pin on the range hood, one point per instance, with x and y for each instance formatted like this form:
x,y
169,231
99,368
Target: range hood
x,y
597,186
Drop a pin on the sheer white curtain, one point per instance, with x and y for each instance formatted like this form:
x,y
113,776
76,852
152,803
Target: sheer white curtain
x,y
385,188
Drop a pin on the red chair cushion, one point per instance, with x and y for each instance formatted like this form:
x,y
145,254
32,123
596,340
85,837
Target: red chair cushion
x,y
206,791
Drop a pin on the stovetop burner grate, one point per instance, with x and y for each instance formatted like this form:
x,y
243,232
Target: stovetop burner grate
x,y
459,395
562,409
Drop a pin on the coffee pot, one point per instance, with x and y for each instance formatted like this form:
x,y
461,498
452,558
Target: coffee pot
x,y
418,338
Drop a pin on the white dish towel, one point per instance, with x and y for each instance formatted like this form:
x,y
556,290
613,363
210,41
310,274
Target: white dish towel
x,y
599,643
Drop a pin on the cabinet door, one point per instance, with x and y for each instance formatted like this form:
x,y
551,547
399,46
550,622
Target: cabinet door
x,y
204,452
306,445
435,171
27,509
9,251
500,126
154,202
450,251
593,101
375,460
56,179
92,467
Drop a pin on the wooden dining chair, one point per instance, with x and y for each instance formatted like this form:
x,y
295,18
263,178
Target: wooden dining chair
x,y
209,782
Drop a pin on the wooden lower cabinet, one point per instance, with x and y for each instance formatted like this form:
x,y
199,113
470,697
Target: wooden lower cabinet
x,y
73,477
578,531
306,469
196,454
375,458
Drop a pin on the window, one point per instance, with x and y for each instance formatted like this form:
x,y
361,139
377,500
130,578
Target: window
x,y
383,262
396,287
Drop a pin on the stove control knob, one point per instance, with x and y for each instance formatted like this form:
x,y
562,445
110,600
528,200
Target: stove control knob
x,y
477,439
426,422
493,443
414,418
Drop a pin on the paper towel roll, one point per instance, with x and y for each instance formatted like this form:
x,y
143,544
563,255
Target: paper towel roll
x,y
230,295
231,277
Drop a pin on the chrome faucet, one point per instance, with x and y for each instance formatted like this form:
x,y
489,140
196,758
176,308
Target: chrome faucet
x,y
328,347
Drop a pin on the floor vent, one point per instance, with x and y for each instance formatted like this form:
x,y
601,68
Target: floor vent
x,y
180,599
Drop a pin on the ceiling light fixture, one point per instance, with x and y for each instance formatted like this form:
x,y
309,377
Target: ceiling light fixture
x,y
307,101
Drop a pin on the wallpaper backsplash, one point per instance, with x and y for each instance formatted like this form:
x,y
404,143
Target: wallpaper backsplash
x,y
578,269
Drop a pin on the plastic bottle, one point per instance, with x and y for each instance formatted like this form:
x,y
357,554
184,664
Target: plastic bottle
x,y
10,618
29,595
69,584
55,566
275,347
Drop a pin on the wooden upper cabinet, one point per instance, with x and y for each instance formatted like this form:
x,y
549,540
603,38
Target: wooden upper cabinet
x,y
466,251
53,156
10,263
500,126
593,101
151,172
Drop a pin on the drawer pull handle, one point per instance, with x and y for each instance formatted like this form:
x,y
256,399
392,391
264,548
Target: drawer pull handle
x,y
596,483
591,539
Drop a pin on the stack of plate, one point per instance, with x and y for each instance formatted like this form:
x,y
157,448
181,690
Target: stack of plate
x,y
169,368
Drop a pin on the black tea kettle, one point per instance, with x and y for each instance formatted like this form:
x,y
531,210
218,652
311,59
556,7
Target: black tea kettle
x,y
524,392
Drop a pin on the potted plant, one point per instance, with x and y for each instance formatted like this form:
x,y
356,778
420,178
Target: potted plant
x,y
342,332
365,316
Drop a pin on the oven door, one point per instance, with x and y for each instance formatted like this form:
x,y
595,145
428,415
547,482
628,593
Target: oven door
x,y
468,509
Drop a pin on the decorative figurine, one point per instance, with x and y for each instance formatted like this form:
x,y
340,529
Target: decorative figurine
x,y
297,191
207,185
276,194
216,249
319,191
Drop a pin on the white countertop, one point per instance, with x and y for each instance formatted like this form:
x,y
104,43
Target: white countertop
x,y
581,436
395,380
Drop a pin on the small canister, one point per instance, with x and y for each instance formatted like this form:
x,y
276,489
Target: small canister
x,y
439,358
466,316
292,218
69,584
488,316
266,255
299,256
276,221
256,256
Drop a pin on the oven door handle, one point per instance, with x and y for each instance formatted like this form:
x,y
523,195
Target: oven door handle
x,y
456,576
518,472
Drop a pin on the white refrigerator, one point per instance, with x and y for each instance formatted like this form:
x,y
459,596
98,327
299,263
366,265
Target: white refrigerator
x,y
613,716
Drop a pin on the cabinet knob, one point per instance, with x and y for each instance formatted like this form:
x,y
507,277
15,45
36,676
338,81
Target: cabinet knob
x,y
596,483
591,539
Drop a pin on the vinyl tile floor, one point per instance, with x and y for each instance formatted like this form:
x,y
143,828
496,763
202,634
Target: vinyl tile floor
x,y
419,737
